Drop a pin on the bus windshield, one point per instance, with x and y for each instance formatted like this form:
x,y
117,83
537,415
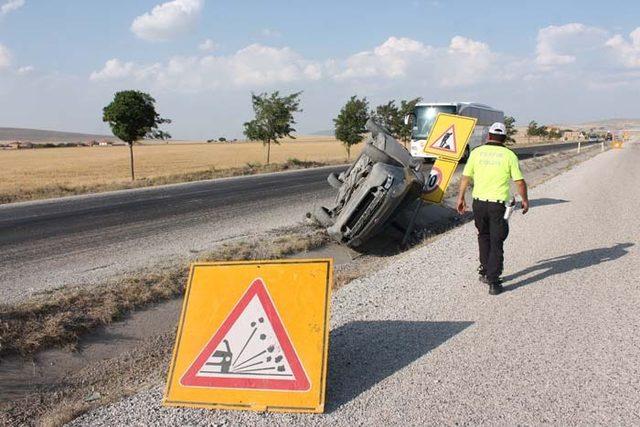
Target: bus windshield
x,y
425,115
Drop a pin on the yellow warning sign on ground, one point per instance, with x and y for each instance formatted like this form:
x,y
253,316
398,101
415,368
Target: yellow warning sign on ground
x,y
438,180
449,136
253,335
616,144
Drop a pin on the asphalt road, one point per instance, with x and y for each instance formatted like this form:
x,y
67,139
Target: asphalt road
x,y
421,342
89,238
82,239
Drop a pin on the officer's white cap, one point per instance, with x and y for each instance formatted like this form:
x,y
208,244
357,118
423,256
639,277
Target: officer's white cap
x,y
498,128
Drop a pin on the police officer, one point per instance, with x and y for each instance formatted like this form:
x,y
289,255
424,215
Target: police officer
x,y
491,167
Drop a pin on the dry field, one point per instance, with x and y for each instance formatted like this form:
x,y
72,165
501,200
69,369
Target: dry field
x,y
27,171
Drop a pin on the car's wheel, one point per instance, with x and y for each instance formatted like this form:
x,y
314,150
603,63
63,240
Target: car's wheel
x,y
322,216
464,158
334,181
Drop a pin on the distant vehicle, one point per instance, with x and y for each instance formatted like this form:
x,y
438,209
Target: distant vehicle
x,y
424,115
593,138
609,137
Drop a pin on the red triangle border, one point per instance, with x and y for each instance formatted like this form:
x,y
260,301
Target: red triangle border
x,y
455,150
300,381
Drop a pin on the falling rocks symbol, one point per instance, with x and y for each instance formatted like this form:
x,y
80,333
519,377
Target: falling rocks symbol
x,y
250,350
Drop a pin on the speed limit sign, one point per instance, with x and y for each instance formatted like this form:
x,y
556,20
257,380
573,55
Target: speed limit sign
x,y
438,180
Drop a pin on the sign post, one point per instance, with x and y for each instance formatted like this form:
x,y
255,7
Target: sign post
x,y
253,335
447,140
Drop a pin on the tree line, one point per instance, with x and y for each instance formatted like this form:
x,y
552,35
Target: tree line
x,y
274,119
350,122
543,131
132,116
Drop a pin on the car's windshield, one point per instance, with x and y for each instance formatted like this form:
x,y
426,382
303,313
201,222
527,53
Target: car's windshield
x,y
425,116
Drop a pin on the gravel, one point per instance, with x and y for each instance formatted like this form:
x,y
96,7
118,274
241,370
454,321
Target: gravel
x,y
421,341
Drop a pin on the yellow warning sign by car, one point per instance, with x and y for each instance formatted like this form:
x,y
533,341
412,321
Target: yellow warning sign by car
x,y
253,335
449,136
438,180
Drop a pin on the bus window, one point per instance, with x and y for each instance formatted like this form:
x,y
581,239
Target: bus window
x,y
425,116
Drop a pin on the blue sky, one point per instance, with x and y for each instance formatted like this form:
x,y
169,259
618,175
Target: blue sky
x,y
61,61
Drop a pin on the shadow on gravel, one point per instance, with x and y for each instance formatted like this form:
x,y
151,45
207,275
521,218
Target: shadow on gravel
x,y
565,263
544,201
363,353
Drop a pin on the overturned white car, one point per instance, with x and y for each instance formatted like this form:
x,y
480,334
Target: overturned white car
x,y
382,180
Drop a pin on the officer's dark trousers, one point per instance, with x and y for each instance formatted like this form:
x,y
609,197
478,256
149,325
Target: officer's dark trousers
x,y
493,229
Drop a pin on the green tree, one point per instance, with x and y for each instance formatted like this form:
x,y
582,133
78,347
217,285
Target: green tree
x,y
273,118
555,133
543,132
349,125
532,130
509,122
132,116
387,115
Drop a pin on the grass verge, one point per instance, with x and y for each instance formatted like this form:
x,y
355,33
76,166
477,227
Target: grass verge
x,y
59,317
60,190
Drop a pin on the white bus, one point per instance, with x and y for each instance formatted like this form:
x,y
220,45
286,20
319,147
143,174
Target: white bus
x,y
424,115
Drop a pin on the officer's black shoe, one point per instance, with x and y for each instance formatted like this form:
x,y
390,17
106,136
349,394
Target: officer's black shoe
x,y
496,288
482,275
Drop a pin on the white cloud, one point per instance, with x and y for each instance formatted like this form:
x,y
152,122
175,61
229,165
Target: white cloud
x,y
467,62
627,52
10,5
391,59
27,69
255,65
207,45
167,20
258,65
5,57
463,62
572,55
113,69
560,45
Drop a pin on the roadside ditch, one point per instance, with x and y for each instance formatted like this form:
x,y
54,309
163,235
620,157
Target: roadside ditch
x,y
66,351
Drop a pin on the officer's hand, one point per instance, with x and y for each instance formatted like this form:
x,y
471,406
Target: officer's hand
x,y
462,206
525,206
